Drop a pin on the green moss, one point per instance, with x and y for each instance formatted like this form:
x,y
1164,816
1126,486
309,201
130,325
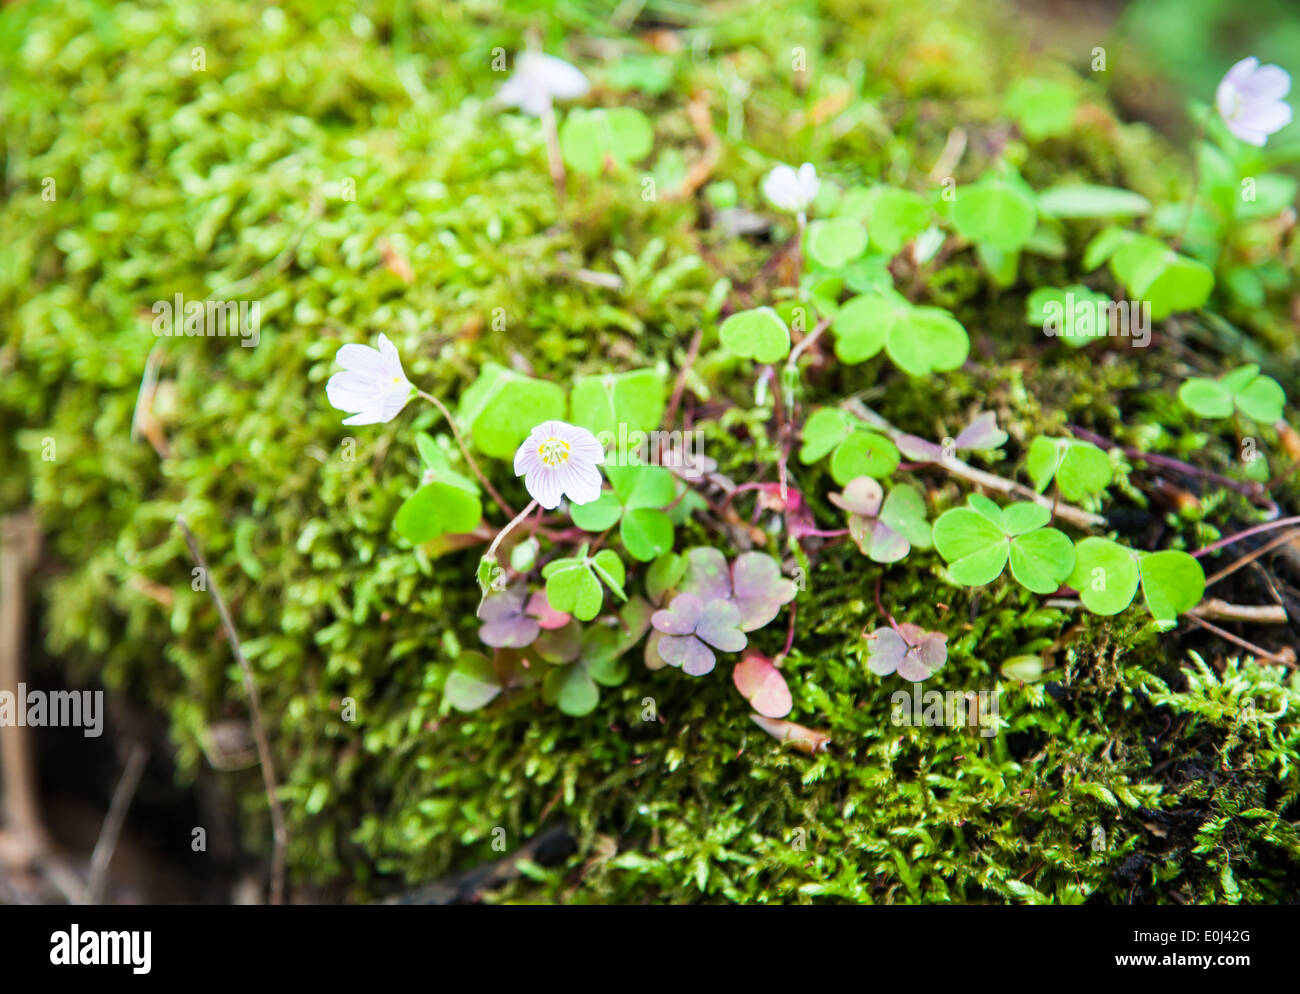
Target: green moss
x,y
1130,780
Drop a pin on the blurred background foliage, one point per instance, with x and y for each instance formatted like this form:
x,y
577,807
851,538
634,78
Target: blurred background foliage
x,y
229,182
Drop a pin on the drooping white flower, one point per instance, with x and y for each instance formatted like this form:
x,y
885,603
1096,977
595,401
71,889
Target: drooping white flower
x,y
372,386
1250,100
538,79
789,190
559,459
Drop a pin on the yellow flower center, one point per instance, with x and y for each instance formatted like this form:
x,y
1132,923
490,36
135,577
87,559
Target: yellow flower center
x,y
554,452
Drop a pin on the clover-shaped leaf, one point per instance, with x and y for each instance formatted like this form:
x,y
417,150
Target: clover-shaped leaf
x,y
1172,582
1107,575
665,572
616,136
501,406
585,660
1154,272
862,325
757,334
835,242
753,582
1075,314
895,217
472,683
762,684
692,628
759,589
907,649
927,340
1245,389
863,453
707,574
884,528
446,503
996,213
604,402
977,542
1080,468
634,504
572,585
512,618
919,340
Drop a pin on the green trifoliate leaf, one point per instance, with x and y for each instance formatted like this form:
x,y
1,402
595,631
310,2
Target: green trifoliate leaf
x,y
825,428
977,542
472,683
438,508
592,139
863,453
1154,272
603,403
1044,108
895,217
501,407
757,334
995,212
1080,468
646,533
1259,397
927,339
1106,575
1172,582
862,325
834,242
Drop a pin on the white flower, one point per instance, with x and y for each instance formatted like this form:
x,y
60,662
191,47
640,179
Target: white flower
x,y
538,79
372,386
560,459
1250,100
789,190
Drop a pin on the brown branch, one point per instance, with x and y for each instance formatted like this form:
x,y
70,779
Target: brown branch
x,y
113,821
279,833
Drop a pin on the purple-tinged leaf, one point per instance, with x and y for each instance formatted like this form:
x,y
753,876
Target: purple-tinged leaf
x,y
505,625
760,589
762,684
863,496
688,653
680,617
909,650
706,574
547,617
915,447
719,626
982,433
560,645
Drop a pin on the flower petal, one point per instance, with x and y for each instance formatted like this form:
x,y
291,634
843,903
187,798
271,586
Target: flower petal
x,y
362,359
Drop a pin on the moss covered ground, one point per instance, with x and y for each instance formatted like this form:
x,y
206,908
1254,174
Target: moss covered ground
x,y
1132,772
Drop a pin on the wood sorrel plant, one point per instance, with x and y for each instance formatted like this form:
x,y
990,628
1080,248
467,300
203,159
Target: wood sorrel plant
x,y
622,527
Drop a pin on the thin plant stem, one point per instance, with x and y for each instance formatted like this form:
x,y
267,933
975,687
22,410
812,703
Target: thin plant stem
x,y
1258,529
279,833
492,549
506,509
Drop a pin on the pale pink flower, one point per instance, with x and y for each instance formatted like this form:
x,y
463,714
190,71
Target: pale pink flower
x,y
538,79
372,386
789,190
559,460
1250,100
